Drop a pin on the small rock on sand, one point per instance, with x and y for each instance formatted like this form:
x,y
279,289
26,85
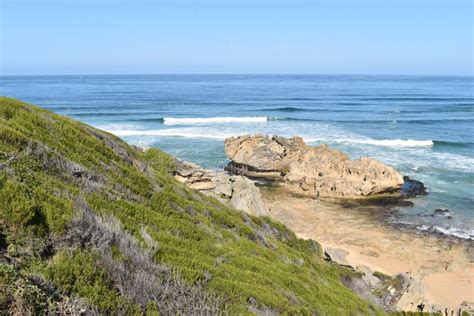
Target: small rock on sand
x,y
370,253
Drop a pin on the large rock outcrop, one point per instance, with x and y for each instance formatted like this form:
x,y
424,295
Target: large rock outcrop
x,y
236,191
315,171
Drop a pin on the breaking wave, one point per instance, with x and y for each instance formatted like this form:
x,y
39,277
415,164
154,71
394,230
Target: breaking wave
x,y
214,134
207,120
389,142
449,231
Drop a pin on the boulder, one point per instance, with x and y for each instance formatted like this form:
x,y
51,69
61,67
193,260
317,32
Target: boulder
x,y
315,171
412,188
237,191
246,196
441,211
337,255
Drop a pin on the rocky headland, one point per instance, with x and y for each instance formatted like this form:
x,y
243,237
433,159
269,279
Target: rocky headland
x,y
316,172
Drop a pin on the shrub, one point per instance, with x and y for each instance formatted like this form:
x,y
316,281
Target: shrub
x,y
132,270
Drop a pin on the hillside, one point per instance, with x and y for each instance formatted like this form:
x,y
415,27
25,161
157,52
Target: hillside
x,y
89,223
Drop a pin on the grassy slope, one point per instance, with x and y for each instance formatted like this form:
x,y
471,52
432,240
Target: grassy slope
x,y
47,162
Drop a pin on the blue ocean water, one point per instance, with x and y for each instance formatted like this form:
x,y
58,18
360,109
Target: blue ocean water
x,y
423,126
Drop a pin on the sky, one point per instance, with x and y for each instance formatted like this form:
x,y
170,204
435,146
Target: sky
x,y
44,37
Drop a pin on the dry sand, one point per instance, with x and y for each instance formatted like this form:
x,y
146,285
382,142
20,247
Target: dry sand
x,y
443,267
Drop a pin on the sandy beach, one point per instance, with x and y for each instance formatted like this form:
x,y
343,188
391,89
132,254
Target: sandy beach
x,y
442,268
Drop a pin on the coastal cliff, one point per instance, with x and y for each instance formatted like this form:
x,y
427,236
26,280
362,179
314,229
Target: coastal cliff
x,y
314,171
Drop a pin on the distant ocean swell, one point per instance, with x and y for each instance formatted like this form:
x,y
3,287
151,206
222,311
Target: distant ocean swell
x,y
208,120
264,119
190,121
405,97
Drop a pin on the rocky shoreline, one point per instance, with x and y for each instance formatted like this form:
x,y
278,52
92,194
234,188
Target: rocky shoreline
x,y
317,172
294,173
438,268
260,160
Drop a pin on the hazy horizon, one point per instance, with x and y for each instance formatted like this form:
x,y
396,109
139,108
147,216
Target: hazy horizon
x,y
239,74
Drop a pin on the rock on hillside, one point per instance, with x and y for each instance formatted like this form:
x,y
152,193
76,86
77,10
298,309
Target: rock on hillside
x,y
315,171
237,191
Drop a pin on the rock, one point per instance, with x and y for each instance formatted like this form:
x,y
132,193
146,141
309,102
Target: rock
x,y
412,292
314,171
442,212
223,184
368,275
370,253
392,290
391,293
412,188
202,185
246,196
236,191
468,307
405,203
338,256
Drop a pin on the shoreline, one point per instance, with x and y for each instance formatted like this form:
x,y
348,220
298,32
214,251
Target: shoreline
x,y
441,265
378,208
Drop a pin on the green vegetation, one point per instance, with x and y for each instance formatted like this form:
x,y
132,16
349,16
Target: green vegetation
x,y
388,282
85,215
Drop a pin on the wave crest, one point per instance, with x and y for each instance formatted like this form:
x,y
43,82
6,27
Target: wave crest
x,y
207,120
382,142
450,231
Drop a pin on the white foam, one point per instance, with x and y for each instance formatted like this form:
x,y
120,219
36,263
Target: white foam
x,y
382,142
169,133
399,142
207,120
450,231
222,134
422,227
464,234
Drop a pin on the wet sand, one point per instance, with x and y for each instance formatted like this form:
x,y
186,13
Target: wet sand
x,y
443,268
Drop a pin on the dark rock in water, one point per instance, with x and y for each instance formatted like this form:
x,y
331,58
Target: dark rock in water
x,y
404,203
412,188
439,212
442,212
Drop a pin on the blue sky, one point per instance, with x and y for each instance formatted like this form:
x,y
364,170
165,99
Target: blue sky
x,y
227,36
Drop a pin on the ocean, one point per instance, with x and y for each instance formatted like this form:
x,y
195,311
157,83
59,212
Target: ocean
x,y
422,125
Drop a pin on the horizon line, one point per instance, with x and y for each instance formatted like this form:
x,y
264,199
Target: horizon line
x,y
240,74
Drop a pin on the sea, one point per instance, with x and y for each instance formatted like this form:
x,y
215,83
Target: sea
x,y
421,125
